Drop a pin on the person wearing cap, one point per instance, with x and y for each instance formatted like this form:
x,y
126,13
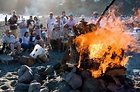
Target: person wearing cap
x,y
82,17
23,27
11,42
94,18
50,24
71,21
12,22
55,38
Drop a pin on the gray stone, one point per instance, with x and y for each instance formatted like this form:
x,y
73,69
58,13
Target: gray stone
x,y
40,68
34,86
38,78
27,77
4,87
74,80
90,85
49,71
22,87
13,83
85,74
22,70
44,89
51,84
34,70
64,87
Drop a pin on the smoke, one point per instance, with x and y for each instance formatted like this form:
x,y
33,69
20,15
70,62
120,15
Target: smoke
x,y
37,7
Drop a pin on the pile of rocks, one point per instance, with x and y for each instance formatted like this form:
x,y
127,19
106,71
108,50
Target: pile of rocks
x,y
46,79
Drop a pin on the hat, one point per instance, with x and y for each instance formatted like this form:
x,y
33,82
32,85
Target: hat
x,y
82,16
23,18
57,17
95,12
51,13
70,14
7,31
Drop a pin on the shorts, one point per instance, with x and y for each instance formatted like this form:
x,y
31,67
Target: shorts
x,y
14,32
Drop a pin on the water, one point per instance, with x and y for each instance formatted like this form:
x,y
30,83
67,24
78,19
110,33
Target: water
x,y
2,17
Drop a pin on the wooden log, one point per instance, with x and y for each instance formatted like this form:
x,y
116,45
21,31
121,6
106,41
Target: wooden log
x,y
116,72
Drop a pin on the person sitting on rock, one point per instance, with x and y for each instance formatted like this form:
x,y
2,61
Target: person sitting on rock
x,y
25,42
11,42
36,39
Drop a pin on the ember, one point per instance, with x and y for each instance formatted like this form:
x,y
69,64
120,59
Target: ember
x,y
103,49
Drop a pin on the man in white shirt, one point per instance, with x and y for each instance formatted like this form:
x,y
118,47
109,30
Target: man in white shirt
x,y
11,42
50,23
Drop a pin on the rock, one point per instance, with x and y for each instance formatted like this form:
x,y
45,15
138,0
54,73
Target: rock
x,y
40,68
22,87
74,80
49,71
136,72
34,70
90,85
51,84
64,87
112,87
4,87
27,77
44,89
34,86
22,70
10,76
13,83
57,66
37,78
74,91
7,59
74,70
85,74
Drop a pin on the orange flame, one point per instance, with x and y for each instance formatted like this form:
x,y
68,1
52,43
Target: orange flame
x,y
104,43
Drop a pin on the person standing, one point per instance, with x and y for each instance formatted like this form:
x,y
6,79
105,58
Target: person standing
x,y
50,24
12,22
37,26
55,38
71,21
59,22
5,20
94,18
30,24
23,27
64,18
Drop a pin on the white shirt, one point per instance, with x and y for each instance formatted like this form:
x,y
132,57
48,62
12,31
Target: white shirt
x,y
26,40
6,39
50,23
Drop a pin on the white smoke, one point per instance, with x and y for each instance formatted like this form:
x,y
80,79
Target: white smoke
x,y
36,7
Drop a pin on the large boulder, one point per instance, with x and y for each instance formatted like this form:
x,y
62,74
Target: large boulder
x,y
25,74
64,87
34,86
90,85
21,87
74,80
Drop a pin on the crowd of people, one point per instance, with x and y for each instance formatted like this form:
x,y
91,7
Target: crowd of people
x,y
55,34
